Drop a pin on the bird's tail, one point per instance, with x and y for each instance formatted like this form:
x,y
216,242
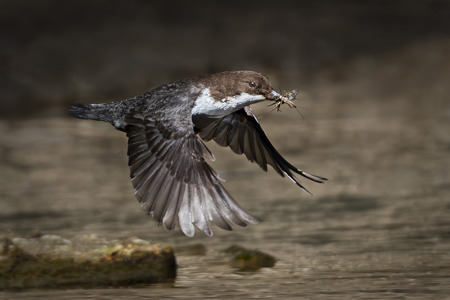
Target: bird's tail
x,y
96,112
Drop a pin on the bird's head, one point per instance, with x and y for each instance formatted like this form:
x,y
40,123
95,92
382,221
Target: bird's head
x,y
232,90
235,83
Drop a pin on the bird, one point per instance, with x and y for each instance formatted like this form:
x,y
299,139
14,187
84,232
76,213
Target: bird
x,y
166,127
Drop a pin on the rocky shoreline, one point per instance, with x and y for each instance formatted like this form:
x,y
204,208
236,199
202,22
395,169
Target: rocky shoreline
x,y
91,261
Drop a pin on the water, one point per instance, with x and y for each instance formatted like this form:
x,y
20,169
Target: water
x,y
380,228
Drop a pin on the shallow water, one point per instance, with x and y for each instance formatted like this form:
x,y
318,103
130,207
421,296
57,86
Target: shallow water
x,y
380,228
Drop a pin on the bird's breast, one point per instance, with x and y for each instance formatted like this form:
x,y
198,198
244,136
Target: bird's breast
x,y
205,104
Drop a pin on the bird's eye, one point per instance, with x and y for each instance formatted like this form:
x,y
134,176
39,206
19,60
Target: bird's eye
x,y
252,84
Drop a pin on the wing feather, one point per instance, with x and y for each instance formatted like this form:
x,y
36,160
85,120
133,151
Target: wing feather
x,y
173,182
242,132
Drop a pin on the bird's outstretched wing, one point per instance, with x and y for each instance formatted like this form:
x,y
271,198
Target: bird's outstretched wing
x,y
173,182
242,132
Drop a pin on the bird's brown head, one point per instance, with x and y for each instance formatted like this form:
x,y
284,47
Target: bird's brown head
x,y
234,83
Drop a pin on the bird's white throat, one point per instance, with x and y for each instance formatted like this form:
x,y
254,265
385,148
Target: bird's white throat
x,y
207,105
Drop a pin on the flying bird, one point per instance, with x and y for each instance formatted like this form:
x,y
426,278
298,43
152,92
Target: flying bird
x,y
165,128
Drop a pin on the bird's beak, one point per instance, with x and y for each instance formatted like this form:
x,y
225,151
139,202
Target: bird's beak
x,y
273,95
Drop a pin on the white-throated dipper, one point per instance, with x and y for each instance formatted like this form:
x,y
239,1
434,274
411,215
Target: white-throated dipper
x,y
170,176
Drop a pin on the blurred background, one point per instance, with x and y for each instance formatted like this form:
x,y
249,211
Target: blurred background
x,y
375,119
54,53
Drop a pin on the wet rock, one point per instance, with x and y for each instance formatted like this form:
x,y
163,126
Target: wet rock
x,y
51,261
248,259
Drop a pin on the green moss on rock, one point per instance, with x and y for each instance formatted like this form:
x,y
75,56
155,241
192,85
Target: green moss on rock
x,y
115,263
247,259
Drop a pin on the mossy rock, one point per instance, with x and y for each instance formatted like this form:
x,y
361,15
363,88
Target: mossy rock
x,y
54,262
248,259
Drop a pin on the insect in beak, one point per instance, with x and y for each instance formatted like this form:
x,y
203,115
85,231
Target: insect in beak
x,y
286,98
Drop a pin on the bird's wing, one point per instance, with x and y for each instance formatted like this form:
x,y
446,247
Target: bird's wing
x,y
242,132
173,182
